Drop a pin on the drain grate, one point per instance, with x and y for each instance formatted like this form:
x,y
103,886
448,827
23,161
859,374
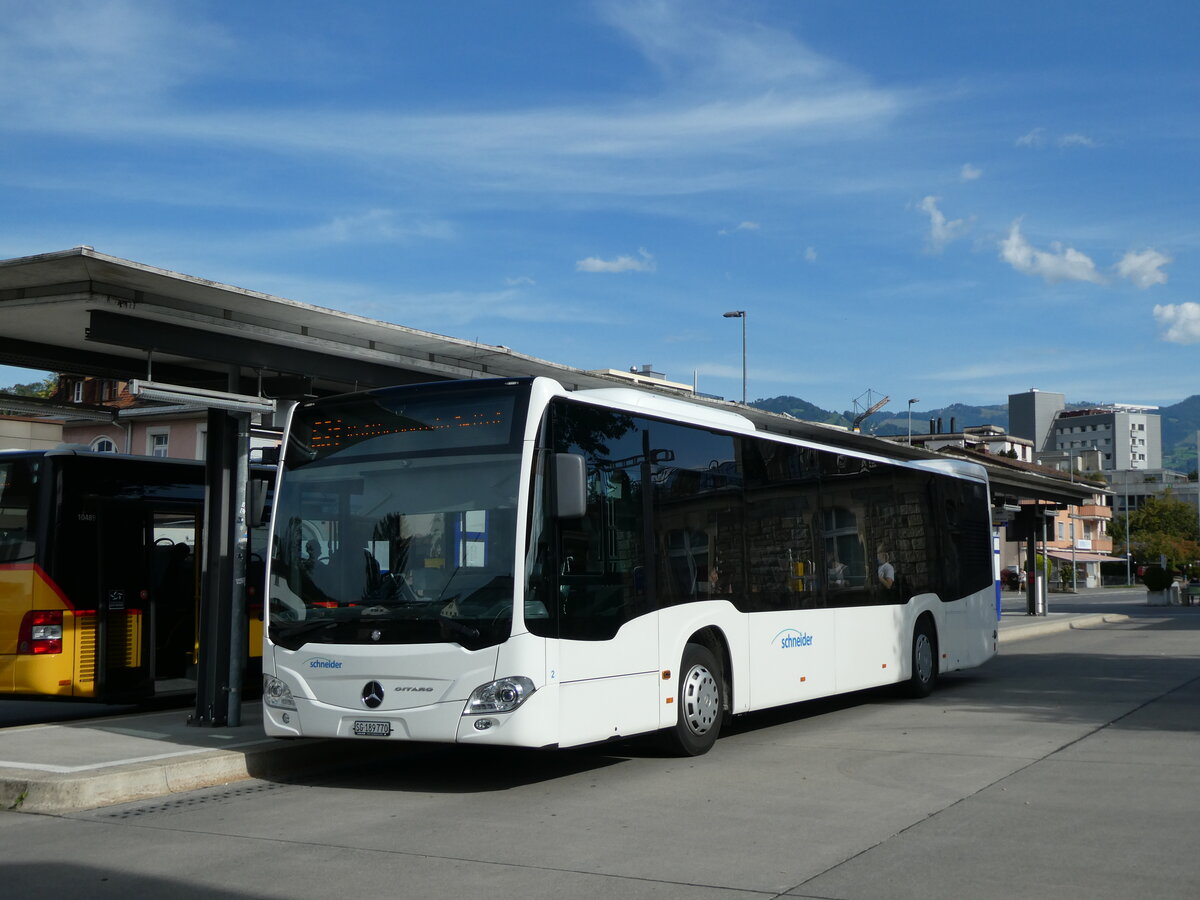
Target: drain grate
x,y
193,800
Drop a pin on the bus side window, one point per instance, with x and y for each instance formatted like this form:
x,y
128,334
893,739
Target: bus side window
x,y
697,496
16,501
602,581
785,563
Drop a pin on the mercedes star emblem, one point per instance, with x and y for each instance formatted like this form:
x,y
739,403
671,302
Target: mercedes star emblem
x,y
372,694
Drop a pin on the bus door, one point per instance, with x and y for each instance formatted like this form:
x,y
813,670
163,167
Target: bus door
x,y
147,597
124,658
606,659
174,595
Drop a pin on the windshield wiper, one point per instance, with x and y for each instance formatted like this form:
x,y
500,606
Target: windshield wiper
x,y
285,634
459,628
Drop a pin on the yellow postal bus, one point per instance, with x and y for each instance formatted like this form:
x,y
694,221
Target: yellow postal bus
x,y
100,575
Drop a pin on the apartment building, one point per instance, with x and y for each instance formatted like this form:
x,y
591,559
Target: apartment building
x,y
1123,436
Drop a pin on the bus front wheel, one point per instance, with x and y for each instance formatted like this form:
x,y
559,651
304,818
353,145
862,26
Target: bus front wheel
x,y
924,660
701,702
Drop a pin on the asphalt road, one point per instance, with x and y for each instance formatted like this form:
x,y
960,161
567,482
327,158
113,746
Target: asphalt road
x,y
1066,767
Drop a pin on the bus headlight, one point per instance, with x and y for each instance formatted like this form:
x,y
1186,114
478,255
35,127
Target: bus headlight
x,y
276,693
501,696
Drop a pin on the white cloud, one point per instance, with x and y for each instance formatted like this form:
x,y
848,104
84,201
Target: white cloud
x,y
810,254
1035,138
1181,321
941,231
969,172
1058,264
73,56
741,226
520,281
1145,268
706,47
1075,140
378,226
645,263
129,72
1038,138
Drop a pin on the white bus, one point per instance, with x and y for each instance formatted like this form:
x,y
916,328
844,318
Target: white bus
x,y
507,562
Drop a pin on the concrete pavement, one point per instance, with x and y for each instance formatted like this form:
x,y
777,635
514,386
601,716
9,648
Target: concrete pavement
x,y
87,764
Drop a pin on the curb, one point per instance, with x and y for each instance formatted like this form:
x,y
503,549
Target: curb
x,y
106,786
1043,627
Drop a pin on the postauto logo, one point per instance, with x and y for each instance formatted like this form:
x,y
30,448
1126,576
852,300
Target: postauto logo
x,y
791,639
320,662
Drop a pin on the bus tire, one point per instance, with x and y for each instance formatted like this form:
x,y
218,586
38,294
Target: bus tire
x,y
924,660
701,702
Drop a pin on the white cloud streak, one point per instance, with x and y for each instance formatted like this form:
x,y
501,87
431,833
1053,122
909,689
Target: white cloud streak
x,y
741,226
1034,138
1037,138
941,230
1075,140
377,226
74,55
115,71
1181,322
1144,268
1058,264
643,262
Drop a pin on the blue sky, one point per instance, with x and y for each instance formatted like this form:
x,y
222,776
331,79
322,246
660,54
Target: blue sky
x,y
942,200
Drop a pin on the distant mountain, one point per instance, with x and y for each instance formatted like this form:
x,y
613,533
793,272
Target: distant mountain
x,y
1180,422
800,409
887,422
1179,426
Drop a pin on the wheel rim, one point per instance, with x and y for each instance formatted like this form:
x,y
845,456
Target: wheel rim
x,y
923,657
701,700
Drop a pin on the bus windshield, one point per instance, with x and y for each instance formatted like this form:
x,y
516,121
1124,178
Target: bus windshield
x,y
396,521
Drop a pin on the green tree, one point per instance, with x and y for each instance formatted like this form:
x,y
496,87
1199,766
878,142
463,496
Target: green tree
x,y
1164,515
1163,527
43,388
1116,531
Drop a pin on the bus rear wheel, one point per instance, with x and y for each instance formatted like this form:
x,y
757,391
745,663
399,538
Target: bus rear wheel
x,y
701,702
924,660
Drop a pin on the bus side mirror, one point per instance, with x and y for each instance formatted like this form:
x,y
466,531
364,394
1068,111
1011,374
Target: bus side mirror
x,y
570,478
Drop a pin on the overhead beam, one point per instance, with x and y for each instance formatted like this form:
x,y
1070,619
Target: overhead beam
x,y
146,334
56,358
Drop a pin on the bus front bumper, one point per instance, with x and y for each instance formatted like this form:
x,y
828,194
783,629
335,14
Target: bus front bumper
x,y
531,725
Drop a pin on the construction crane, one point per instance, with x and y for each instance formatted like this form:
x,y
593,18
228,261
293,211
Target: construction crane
x,y
872,408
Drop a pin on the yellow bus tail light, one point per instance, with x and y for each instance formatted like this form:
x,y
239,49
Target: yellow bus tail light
x,y
41,632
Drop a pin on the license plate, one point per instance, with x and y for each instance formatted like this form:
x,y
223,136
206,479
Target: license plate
x,y
373,729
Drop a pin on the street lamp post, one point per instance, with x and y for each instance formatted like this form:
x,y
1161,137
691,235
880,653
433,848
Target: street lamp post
x,y
1074,543
741,314
1128,552
910,403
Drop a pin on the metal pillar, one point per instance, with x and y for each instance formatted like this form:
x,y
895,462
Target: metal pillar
x,y
222,623
1031,573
